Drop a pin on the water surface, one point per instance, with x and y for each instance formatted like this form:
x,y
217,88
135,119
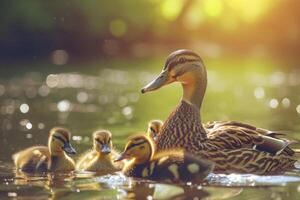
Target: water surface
x,y
105,95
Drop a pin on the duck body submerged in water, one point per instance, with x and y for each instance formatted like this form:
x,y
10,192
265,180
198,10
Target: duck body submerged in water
x,y
52,158
100,158
234,147
172,165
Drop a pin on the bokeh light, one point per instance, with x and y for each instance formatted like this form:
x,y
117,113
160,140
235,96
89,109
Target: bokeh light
x,y
118,27
60,57
24,108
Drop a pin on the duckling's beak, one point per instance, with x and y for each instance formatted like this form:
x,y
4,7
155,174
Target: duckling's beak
x,y
69,149
154,137
161,80
122,156
105,149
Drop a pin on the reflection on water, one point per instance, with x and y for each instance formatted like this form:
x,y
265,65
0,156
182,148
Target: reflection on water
x,y
86,100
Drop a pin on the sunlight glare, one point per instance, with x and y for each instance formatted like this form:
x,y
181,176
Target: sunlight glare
x,y
170,9
250,10
213,8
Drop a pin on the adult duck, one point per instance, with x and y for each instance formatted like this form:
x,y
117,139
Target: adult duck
x,y
234,147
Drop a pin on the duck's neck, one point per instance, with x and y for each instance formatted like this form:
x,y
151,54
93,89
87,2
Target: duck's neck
x,y
104,157
194,88
57,153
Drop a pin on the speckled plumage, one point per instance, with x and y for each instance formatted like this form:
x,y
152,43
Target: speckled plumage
x,y
233,146
228,144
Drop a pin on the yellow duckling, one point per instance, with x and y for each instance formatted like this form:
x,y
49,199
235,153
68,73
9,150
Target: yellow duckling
x,y
154,127
171,165
51,158
100,159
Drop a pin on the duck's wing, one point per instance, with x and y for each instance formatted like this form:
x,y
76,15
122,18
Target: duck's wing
x,y
247,160
234,135
32,159
210,126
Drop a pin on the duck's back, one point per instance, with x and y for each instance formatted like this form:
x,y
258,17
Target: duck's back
x,y
32,159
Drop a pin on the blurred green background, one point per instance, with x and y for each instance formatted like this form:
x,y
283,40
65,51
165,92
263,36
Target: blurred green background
x,y
81,64
34,30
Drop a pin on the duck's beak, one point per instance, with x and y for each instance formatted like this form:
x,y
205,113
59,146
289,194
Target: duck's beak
x,y
121,157
69,149
105,149
161,80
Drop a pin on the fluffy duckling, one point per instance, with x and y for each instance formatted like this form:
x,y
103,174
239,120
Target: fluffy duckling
x,y
51,158
171,165
154,127
100,158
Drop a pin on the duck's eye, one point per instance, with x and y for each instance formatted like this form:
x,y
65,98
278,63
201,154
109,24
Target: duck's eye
x,y
182,60
173,76
142,147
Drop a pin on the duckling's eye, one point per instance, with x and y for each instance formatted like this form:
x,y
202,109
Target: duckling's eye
x,y
99,141
142,147
152,129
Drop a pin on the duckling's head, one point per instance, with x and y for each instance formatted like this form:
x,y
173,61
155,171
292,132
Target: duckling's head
x,y
139,147
154,127
102,141
59,141
183,66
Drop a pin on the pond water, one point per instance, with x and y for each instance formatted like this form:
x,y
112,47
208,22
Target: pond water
x,y
105,95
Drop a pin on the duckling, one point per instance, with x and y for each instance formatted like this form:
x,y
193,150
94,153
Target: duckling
x,y
100,159
52,158
234,147
154,127
170,165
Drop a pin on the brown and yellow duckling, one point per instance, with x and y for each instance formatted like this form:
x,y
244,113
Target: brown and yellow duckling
x,y
171,165
52,158
154,127
100,158
233,146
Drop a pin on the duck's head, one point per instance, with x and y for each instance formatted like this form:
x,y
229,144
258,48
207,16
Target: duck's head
x,y
139,147
186,67
182,66
59,141
154,127
102,141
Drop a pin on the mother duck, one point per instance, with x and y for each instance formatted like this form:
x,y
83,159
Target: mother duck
x,y
234,147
